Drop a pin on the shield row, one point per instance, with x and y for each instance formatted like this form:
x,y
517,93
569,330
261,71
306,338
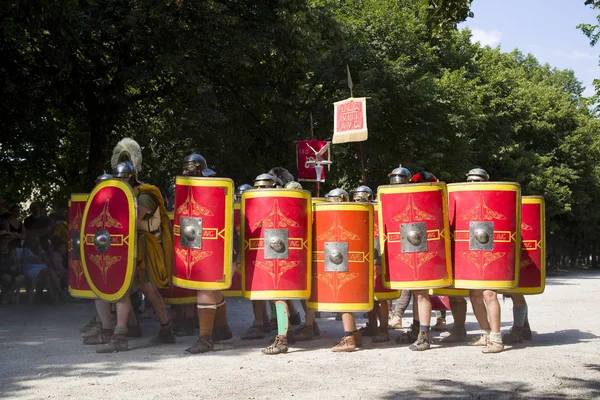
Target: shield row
x,y
281,244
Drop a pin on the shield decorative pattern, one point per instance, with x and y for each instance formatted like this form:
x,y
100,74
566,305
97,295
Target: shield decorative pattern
x,y
174,295
108,239
203,237
236,280
485,220
532,271
414,236
381,293
78,286
342,278
276,236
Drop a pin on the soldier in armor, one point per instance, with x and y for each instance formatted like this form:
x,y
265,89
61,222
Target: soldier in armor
x,y
400,176
154,250
260,325
102,330
212,309
418,334
364,194
284,311
259,328
348,342
486,306
239,190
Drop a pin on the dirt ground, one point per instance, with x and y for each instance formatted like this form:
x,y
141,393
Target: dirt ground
x,y
41,357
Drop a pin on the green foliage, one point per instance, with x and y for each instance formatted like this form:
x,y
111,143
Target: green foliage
x,y
236,81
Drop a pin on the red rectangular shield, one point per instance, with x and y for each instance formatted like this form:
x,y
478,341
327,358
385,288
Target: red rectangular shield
x,y
380,291
345,283
78,286
276,231
414,235
235,290
532,271
485,218
203,233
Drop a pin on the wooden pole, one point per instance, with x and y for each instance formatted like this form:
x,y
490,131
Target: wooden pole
x,y
312,137
362,164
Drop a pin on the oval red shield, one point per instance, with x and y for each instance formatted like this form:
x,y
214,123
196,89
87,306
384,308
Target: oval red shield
x,y
108,239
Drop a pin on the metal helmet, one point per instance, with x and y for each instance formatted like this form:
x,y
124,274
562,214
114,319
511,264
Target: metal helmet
x,y
399,175
195,165
264,181
125,171
103,178
477,175
337,195
362,194
241,189
293,185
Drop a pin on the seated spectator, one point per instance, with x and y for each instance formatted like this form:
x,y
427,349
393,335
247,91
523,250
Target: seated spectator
x,y
10,276
3,213
34,264
35,210
60,227
59,249
12,224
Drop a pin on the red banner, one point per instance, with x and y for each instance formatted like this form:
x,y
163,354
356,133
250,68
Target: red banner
x,y
308,153
350,120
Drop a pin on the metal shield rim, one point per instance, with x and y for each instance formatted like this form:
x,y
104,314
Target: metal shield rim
x,y
131,252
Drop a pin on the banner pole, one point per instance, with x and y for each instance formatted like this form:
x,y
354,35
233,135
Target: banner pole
x,y
362,164
312,137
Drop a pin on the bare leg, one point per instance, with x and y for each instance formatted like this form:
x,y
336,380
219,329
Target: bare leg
x,y
424,310
351,339
424,307
479,308
158,304
259,306
384,315
348,322
494,344
123,310
103,310
458,333
493,309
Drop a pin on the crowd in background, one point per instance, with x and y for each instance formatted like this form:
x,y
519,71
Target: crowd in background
x,y
33,252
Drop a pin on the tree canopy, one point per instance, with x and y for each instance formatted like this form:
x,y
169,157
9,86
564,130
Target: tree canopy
x,y
238,81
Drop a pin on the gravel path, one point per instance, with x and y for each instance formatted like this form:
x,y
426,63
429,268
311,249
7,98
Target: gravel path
x,y
41,357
